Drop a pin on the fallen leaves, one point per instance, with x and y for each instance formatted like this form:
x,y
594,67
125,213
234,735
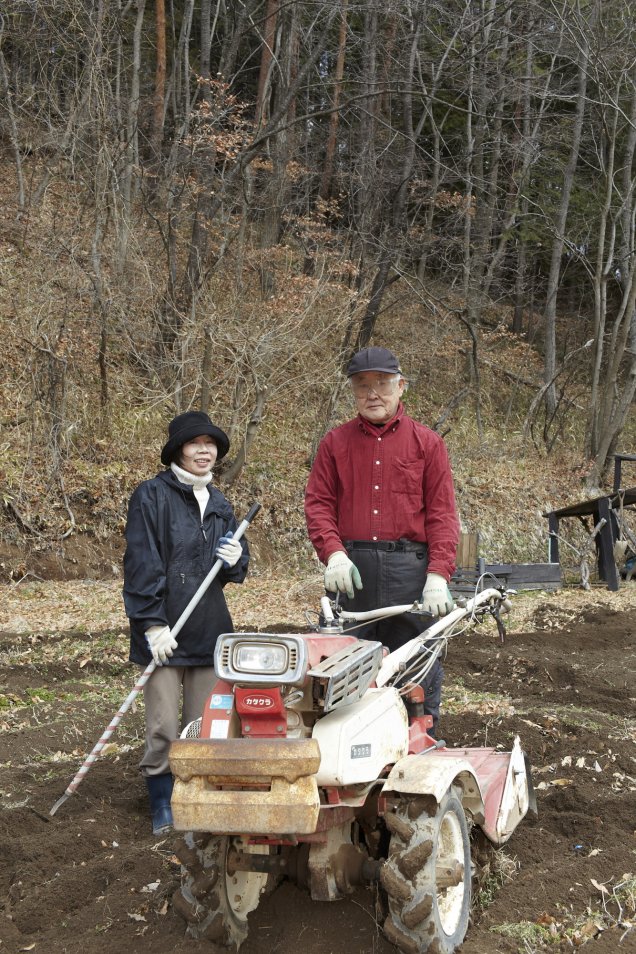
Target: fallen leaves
x,y
599,887
147,888
568,761
589,929
556,782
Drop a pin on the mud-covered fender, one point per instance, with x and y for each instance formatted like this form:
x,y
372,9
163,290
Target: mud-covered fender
x,y
426,774
496,786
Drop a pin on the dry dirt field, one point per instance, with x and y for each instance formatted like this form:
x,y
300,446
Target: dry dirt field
x,y
93,880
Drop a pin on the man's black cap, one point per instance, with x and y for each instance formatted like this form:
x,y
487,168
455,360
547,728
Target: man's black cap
x,y
374,359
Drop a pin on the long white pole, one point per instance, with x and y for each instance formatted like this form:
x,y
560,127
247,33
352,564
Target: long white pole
x,y
150,668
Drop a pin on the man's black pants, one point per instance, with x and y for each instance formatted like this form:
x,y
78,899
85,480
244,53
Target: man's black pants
x,y
393,573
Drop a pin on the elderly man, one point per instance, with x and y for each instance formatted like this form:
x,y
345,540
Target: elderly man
x,y
380,510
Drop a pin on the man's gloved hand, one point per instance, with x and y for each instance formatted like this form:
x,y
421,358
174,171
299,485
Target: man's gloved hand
x,y
341,574
161,643
229,550
436,597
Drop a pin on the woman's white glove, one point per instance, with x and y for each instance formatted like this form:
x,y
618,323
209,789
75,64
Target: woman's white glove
x,y
229,550
341,574
161,643
436,596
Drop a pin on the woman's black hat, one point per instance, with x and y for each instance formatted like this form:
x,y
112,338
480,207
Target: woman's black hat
x,y
185,427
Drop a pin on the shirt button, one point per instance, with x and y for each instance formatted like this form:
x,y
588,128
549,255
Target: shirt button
x,y
379,438
377,487
375,538
375,511
377,461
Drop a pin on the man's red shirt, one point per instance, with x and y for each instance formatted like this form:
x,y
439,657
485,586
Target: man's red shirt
x,y
383,483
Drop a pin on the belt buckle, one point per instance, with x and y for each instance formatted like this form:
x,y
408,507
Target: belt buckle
x,y
392,546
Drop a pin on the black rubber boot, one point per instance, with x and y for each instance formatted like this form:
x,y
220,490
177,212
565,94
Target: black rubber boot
x,y
160,791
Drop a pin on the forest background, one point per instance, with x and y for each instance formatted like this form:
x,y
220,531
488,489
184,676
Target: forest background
x,y
211,204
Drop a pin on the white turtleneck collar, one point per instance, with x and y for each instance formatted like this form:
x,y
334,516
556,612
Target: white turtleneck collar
x,y
192,480
198,484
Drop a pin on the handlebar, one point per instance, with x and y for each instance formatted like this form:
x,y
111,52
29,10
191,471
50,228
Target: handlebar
x,y
478,600
396,661
381,613
490,599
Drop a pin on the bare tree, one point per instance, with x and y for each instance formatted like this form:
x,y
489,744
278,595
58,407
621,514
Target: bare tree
x,y
613,374
156,135
330,148
560,220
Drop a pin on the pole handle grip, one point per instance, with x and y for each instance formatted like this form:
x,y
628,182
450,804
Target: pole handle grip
x,y
251,513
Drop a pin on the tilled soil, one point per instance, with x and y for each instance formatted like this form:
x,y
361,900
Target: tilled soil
x,y
92,878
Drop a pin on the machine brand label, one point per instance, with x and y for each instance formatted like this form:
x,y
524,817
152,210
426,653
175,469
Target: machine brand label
x,y
258,702
360,751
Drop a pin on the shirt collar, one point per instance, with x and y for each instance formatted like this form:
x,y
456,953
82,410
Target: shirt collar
x,y
390,425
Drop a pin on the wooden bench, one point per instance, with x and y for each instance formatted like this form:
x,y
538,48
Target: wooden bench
x,y
603,510
527,576
517,576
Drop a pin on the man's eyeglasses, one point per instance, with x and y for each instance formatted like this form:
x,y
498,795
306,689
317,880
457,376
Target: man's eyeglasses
x,y
379,385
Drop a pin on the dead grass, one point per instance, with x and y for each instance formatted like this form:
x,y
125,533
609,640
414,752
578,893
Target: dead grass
x,y
616,911
90,606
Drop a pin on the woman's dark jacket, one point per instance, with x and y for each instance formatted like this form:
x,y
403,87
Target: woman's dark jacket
x,y
169,551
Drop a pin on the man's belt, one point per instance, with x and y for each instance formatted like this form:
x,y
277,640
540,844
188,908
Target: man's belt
x,y
404,546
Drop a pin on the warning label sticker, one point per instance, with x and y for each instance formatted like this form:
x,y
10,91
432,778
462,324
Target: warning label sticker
x,y
218,701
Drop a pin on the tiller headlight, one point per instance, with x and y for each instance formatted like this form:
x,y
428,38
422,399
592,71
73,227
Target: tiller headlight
x,y
261,658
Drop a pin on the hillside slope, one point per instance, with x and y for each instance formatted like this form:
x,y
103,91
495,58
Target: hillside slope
x,y
84,400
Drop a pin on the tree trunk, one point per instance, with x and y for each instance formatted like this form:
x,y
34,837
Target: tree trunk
x,y
156,135
180,81
229,53
330,150
131,148
267,58
230,474
390,241
208,30
604,263
560,226
13,127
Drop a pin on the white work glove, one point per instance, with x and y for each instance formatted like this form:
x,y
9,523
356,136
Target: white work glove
x,y
341,574
161,643
229,550
436,597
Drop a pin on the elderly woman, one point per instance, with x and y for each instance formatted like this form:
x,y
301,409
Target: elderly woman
x,y
178,525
